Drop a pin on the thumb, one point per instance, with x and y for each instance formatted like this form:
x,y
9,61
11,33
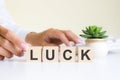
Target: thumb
x,y
1,57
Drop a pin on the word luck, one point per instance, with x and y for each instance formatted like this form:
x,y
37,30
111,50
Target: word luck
x,y
59,54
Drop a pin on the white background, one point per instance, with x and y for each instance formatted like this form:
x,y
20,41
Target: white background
x,y
39,15
107,68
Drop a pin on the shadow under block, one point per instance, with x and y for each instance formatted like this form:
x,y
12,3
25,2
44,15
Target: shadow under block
x,y
50,54
34,54
67,54
85,54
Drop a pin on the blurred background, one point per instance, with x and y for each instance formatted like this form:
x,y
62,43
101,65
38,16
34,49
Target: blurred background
x,y
38,15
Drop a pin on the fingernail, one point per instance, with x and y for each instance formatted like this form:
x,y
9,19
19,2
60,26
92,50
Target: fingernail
x,y
25,46
70,45
79,40
28,45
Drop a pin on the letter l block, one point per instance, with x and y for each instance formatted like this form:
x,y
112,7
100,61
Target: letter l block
x,y
34,54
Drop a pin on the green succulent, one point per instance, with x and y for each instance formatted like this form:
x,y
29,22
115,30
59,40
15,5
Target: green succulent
x,y
92,32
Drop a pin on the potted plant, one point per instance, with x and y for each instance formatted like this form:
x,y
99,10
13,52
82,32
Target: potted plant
x,y
96,39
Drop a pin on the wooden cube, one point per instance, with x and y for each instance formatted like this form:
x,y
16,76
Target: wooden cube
x,y
67,54
85,54
34,53
50,54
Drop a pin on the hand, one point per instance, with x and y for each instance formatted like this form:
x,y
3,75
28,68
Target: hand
x,y
51,37
10,44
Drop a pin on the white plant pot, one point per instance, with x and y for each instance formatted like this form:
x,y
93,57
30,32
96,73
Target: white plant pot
x,y
99,46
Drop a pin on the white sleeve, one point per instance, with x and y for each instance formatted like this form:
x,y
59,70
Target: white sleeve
x,y
9,23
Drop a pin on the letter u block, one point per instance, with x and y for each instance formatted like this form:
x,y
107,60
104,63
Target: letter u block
x,y
67,54
34,54
50,54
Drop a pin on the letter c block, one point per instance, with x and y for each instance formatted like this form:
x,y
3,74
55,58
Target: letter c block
x,y
67,54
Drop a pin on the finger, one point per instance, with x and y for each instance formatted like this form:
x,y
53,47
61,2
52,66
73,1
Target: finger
x,y
55,41
63,38
1,57
50,45
10,47
11,37
71,36
59,35
5,53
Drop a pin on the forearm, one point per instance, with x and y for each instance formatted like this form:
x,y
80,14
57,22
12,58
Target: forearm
x,y
7,21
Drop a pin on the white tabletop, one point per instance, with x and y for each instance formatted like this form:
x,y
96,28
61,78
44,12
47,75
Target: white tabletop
x,y
107,68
